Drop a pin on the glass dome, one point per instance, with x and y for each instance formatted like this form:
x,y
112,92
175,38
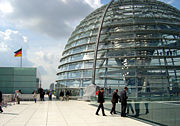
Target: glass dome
x,y
139,48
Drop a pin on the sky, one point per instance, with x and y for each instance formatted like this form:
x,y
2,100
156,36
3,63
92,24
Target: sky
x,y
41,28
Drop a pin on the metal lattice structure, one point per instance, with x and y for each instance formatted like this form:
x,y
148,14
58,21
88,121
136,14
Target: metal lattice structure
x,y
139,47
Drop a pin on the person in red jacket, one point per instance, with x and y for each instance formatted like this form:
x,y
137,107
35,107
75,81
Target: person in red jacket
x,y
101,101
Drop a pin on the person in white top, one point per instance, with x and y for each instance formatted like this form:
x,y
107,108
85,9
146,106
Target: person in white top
x,y
35,96
18,96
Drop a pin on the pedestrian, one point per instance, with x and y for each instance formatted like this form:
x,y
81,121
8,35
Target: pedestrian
x,y
35,96
50,95
114,100
1,102
17,95
124,98
67,95
61,95
101,101
41,96
41,92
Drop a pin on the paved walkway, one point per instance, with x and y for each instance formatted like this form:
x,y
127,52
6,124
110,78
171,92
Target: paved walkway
x,y
57,113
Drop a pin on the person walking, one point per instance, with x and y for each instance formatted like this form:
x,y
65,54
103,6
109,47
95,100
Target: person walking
x,y
41,92
43,95
101,101
114,100
61,95
123,101
50,95
35,96
1,102
67,95
17,95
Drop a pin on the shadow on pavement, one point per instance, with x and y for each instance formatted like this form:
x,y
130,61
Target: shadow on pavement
x,y
6,113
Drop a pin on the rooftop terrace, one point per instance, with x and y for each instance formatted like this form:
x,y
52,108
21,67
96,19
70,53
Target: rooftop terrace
x,y
60,113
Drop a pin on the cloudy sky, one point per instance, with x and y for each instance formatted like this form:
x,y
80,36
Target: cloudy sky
x,y
42,28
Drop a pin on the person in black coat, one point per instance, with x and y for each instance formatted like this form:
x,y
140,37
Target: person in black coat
x,y
123,102
61,95
50,95
114,100
101,101
67,95
1,101
41,92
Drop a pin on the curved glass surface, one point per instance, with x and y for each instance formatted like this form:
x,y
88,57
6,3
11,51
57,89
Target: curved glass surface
x,y
139,48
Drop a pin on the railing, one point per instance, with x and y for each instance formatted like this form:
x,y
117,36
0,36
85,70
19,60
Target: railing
x,y
9,99
28,97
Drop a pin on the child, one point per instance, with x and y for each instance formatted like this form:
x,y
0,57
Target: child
x,y
35,96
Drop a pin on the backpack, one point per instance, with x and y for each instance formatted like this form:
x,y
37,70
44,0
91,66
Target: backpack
x,y
97,92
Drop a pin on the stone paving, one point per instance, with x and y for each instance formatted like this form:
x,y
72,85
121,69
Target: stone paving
x,y
61,113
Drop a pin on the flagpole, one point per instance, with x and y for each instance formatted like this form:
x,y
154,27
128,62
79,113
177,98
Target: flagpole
x,y
21,59
18,53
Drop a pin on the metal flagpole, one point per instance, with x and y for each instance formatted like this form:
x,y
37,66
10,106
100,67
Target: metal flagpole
x,y
21,59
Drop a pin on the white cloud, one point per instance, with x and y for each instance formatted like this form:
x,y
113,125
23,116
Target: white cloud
x,y
46,60
51,17
94,3
3,47
6,7
39,54
7,34
65,1
25,38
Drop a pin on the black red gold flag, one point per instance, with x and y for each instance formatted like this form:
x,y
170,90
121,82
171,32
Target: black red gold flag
x,y
18,53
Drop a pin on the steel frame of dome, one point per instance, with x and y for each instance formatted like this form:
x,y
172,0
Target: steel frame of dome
x,y
139,46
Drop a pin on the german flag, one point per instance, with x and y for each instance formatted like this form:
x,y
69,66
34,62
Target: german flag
x,y
18,53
